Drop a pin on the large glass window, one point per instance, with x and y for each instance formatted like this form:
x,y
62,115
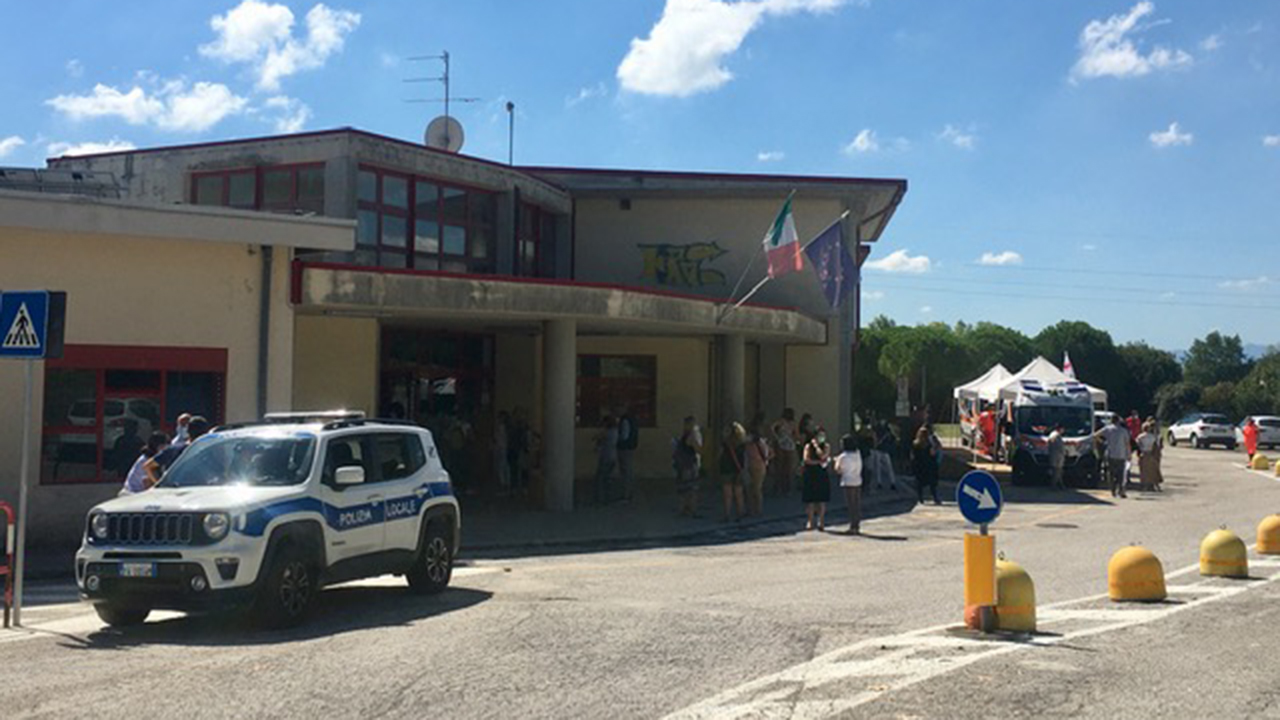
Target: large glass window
x,y
535,242
424,225
609,382
103,402
287,188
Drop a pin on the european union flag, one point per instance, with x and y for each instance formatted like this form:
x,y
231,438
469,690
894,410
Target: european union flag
x,y
833,264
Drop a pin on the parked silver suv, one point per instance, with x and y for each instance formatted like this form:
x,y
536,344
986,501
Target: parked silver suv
x,y
264,514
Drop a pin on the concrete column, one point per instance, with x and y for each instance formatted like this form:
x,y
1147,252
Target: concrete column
x,y
733,379
559,376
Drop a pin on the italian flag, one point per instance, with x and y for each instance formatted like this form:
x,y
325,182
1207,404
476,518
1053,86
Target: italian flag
x,y
782,245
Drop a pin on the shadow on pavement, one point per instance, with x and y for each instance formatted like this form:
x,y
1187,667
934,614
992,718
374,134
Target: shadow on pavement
x,y
338,610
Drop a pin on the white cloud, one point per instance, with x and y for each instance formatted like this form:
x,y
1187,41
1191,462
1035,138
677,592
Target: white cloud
x,y
960,138
585,94
387,60
1211,43
1008,257
261,34
75,68
9,144
900,261
1172,137
685,51
770,156
873,295
1088,247
1168,295
1107,48
64,149
865,142
1271,140
926,309
1249,284
172,107
293,113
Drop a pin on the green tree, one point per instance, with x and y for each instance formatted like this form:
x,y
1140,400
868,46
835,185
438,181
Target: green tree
x,y
1093,354
1147,370
1175,400
1216,358
873,393
1259,392
988,343
1219,397
929,355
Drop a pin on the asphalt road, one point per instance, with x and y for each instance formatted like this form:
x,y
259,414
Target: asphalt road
x,y
769,622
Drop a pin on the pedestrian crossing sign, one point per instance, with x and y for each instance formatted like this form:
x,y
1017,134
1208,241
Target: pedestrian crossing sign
x,y
31,324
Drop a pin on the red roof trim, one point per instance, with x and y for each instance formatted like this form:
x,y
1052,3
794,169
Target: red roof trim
x,y
742,177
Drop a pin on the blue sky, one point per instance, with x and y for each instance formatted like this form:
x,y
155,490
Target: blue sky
x,y
1116,162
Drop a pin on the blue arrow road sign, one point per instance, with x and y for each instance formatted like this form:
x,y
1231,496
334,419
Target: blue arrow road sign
x,y
979,497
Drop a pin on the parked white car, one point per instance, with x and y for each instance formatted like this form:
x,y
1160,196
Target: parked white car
x,y
1268,430
1202,430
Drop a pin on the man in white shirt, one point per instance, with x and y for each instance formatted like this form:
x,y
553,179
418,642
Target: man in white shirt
x,y
1116,439
1057,456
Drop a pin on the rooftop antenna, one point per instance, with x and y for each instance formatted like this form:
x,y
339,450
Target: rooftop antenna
x,y
444,132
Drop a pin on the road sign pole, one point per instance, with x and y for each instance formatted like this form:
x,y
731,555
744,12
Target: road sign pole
x,y
20,557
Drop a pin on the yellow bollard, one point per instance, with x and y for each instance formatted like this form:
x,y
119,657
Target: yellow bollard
x,y
1135,573
979,578
1278,468
1260,462
1222,554
1269,535
1015,598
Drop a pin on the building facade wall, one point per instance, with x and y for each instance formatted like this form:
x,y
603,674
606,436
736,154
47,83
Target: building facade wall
x,y
138,292
683,388
335,363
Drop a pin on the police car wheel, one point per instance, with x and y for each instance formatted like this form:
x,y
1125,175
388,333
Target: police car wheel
x,y
289,591
433,568
121,615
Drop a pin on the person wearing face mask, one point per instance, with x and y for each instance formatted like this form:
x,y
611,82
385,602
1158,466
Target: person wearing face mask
x,y
816,487
924,463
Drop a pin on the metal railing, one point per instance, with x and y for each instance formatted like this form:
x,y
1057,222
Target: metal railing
x,y
7,569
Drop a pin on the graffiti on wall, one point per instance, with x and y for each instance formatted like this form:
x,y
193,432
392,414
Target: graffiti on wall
x,y
682,265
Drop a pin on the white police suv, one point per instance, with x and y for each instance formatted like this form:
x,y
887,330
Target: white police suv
x,y
264,514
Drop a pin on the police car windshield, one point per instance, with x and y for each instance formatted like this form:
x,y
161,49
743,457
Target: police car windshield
x,y
243,460
1075,421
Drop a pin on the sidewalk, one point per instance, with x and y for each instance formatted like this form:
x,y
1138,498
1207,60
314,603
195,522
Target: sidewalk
x,y
508,530
650,518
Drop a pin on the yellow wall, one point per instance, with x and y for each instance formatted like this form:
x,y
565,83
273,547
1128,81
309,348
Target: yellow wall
x,y
813,383
138,291
682,390
335,363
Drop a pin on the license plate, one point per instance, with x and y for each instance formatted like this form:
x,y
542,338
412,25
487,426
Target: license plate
x,y
138,570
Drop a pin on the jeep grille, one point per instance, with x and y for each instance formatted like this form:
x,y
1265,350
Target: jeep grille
x,y
151,528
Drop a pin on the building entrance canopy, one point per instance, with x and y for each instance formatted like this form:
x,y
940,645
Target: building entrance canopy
x,y
505,301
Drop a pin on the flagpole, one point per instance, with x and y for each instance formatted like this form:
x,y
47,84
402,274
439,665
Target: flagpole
x,y
767,278
722,311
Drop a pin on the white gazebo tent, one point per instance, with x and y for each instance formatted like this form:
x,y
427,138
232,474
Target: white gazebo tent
x,y
985,387
1047,374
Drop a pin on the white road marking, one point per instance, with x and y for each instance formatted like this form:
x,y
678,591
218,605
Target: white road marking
x,y
870,669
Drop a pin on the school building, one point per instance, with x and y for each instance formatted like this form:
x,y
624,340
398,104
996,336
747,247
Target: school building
x,y
342,269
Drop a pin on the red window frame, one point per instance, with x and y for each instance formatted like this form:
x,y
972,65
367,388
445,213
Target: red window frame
x,y
259,173
102,359
410,256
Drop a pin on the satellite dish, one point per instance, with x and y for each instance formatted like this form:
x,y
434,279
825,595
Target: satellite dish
x,y
444,133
